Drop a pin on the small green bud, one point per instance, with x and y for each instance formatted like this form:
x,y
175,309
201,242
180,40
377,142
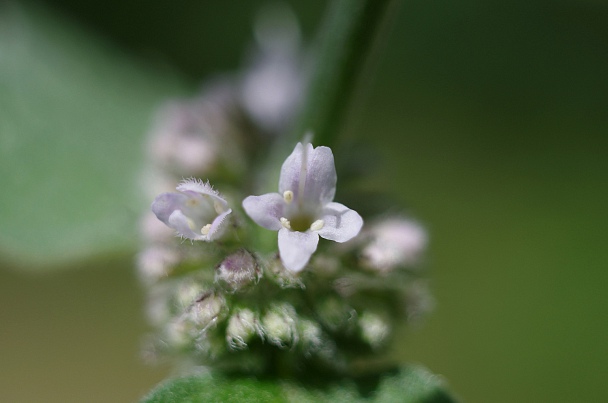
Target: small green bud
x,y
283,277
187,293
279,325
242,326
374,329
336,315
311,336
238,271
206,310
178,334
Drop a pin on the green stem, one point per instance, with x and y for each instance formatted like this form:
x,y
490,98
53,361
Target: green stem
x,y
346,38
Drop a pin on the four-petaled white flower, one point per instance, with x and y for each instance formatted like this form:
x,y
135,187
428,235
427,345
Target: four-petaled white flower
x,y
304,209
196,212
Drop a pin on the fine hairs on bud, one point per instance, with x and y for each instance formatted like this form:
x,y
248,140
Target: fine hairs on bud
x,y
238,271
279,325
242,326
206,310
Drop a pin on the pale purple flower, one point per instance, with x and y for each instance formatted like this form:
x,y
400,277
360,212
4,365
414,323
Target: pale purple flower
x,y
304,209
196,212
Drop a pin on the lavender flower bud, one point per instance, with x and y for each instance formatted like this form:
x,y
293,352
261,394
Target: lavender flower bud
x,y
238,270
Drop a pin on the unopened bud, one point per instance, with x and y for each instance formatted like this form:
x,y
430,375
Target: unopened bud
x,y
206,310
242,326
336,315
178,334
279,325
311,336
394,242
283,277
187,293
374,329
238,270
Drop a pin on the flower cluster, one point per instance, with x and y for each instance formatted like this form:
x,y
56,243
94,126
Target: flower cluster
x,y
239,279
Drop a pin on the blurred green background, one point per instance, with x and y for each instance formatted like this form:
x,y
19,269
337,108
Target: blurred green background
x,y
491,121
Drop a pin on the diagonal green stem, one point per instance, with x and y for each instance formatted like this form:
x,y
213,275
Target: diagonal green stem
x,y
345,40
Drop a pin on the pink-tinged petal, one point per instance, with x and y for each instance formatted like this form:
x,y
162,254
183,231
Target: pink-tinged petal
x,y
320,174
296,248
265,210
340,223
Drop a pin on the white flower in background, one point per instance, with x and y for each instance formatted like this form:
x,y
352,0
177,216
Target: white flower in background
x,y
304,209
197,212
394,242
272,86
181,139
189,135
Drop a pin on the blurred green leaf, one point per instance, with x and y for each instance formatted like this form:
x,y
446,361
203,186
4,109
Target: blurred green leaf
x,y
73,112
411,384
205,388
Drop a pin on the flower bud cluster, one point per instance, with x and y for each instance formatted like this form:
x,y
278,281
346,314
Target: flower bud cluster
x,y
266,282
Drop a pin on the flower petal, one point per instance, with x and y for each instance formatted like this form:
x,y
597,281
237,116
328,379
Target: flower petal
x,y
165,204
340,223
290,171
296,248
321,178
183,225
217,226
265,210
196,212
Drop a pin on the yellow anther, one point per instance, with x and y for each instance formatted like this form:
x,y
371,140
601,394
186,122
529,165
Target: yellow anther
x,y
205,230
288,196
317,225
285,222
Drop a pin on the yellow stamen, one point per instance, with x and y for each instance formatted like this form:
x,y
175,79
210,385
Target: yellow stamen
x,y
205,230
317,225
285,222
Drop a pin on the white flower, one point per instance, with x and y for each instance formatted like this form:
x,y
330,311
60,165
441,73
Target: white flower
x,y
196,212
304,209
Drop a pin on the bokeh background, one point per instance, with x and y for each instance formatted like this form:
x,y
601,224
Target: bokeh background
x,y
490,122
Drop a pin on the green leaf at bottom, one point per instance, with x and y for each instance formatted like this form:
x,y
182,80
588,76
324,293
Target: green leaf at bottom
x,y
411,384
